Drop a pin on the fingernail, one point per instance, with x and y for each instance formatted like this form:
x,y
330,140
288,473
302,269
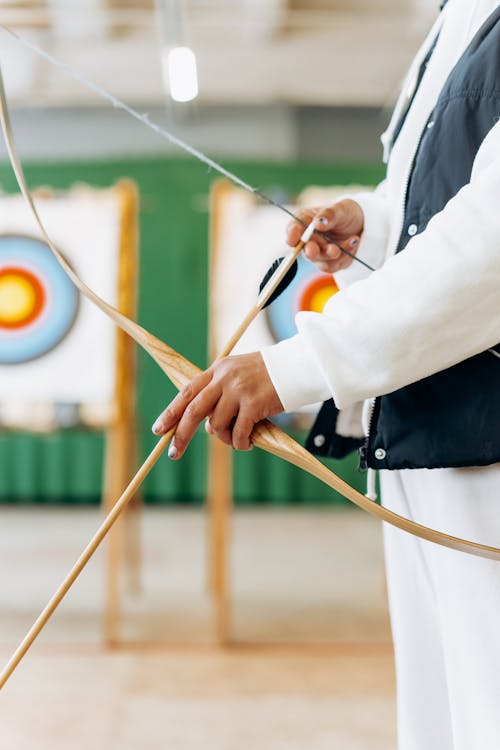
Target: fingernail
x,y
158,425
354,242
172,451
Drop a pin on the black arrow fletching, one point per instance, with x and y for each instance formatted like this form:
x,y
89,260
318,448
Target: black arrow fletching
x,y
284,283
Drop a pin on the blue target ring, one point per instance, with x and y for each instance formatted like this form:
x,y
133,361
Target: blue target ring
x,y
299,295
38,302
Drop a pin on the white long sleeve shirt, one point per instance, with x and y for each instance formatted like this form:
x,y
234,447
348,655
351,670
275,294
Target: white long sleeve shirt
x,y
429,307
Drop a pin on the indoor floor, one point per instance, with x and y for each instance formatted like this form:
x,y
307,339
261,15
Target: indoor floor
x,y
310,669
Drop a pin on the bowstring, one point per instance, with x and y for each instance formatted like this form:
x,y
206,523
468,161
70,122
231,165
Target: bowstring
x,y
171,137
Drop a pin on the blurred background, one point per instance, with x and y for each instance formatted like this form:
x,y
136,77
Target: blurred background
x,y
196,627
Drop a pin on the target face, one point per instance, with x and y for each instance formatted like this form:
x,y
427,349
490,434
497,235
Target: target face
x,y
309,291
38,303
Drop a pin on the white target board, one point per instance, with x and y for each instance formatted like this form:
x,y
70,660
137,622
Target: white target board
x,y
247,236
55,347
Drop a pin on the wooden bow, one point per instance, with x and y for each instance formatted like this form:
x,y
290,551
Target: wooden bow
x,y
181,371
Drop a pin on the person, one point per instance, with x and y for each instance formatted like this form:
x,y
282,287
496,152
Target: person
x,y
416,340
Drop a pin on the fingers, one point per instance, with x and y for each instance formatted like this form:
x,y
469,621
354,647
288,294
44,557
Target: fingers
x,y
171,415
232,422
295,229
345,259
339,224
222,420
198,400
325,220
317,253
329,257
196,411
235,393
344,219
328,218
242,430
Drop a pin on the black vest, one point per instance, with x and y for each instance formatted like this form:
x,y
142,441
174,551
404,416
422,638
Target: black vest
x,y
451,418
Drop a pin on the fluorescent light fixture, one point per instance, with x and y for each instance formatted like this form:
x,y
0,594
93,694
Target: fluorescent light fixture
x,y
182,74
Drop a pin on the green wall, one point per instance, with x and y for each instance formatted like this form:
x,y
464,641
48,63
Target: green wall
x,y
66,467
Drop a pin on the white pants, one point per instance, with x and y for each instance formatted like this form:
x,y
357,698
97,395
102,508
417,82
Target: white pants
x,y
445,609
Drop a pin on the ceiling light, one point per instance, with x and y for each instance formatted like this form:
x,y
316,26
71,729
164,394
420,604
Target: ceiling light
x,y
182,74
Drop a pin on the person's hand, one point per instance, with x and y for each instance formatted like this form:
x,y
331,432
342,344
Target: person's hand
x,y
234,393
343,223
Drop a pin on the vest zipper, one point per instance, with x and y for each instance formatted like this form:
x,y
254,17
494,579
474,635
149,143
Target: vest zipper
x,y
363,450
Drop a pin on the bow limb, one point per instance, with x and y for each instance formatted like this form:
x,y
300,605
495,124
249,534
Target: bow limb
x,y
270,438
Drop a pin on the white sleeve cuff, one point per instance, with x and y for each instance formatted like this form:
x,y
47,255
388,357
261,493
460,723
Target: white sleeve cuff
x,y
295,374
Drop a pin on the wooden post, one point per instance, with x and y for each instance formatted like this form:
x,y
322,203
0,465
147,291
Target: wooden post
x,y
219,505
121,440
220,462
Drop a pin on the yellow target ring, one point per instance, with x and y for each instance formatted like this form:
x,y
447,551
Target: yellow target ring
x,y
320,298
317,293
21,298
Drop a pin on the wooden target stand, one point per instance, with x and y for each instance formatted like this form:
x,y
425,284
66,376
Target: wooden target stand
x,y
221,306
121,452
115,417
219,459
230,298
235,271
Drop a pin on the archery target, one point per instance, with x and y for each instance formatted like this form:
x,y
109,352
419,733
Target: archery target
x,y
309,291
55,347
38,303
